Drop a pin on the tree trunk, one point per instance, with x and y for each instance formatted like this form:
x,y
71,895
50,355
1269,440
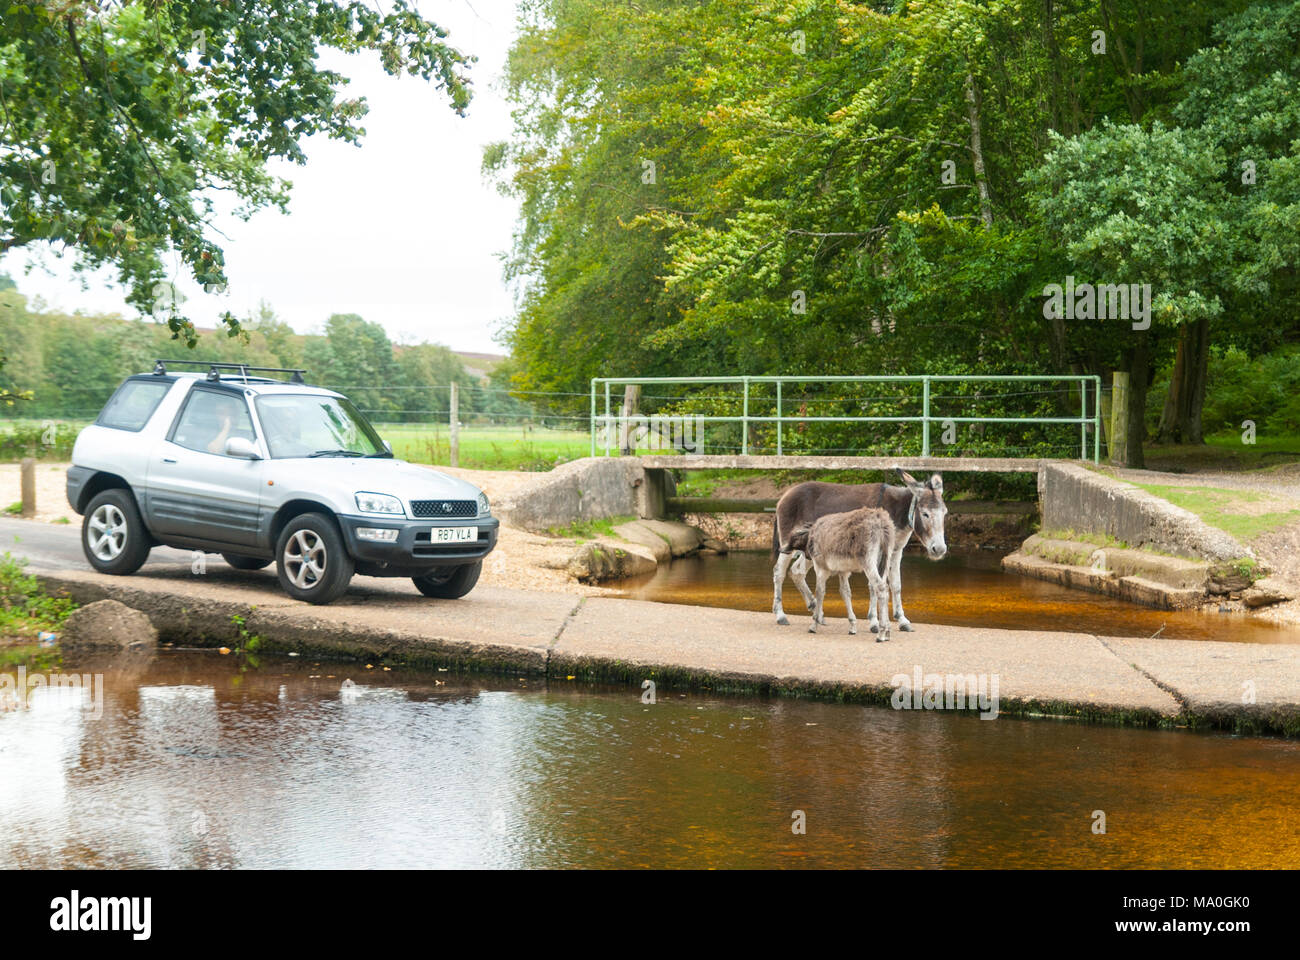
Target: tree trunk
x,y
1168,432
1137,400
1200,372
1104,400
977,151
1054,85
1180,421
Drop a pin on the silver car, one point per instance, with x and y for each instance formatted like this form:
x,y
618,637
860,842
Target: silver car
x,y
264,470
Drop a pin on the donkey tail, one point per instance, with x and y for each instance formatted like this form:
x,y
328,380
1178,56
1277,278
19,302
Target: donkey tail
x,y
798,542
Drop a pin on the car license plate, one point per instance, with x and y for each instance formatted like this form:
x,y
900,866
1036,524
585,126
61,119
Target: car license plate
x,y
453,534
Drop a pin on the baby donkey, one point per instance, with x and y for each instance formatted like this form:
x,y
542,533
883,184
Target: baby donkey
x,y
841,543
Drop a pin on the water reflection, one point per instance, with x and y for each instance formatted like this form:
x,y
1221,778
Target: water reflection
x,y
197,764
962,590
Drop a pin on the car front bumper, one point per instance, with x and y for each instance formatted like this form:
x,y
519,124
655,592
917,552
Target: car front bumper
x,y
414,551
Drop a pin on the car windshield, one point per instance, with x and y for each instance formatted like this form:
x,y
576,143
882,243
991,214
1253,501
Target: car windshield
x,y
301,425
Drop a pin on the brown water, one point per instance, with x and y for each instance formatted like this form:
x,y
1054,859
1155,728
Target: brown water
x,y
197,764
962,590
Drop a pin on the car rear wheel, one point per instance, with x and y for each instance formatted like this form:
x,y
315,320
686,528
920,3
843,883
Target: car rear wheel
x,y
449,583
245,563
312,562
113,536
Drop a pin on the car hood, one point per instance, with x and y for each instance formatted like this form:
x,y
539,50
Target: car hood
x,y
398,478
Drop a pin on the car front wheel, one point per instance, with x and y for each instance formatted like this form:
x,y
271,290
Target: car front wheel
x,y
449,583
312,562
113,536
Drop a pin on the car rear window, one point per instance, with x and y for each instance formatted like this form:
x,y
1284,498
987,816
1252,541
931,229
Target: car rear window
x,y
133,404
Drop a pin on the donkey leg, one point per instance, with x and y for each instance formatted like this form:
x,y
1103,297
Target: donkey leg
x,y
822,577
848,602
778,578
880,585
896,582
879,601
872,617
799,571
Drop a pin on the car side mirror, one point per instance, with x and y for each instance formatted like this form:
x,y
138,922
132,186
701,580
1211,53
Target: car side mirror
x,y
388,446
243,448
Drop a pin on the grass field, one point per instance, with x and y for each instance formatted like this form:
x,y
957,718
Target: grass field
x,y
481,447
1229,510
1225,451
487,447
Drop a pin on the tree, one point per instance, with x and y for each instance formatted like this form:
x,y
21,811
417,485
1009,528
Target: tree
x,y
356,358
1133,206
280,337
424,373
1239,96
834,188
119,121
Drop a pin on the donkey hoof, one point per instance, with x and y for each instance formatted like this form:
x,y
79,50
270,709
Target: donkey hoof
x,y
813,628
905,626
783,620
875,628
853,628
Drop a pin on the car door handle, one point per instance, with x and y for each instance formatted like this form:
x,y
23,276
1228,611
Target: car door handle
x,y
168,460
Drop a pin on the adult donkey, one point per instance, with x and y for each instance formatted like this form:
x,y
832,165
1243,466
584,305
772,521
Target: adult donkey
x,y
915,508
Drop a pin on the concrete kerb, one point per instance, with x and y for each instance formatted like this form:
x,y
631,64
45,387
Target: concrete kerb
x,y
345,631
1166,683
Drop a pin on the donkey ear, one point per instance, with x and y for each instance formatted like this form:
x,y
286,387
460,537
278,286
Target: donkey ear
x,y
936,483
908,479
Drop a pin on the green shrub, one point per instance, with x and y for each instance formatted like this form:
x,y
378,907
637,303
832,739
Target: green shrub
x,y
43,439
24,606
1265,389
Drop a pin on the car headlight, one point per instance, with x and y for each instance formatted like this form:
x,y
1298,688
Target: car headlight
x,y
483,508
378,503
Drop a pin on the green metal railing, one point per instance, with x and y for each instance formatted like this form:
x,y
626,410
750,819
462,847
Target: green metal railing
x,y
610,419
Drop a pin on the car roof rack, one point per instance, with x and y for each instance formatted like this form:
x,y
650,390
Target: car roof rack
x,y
241,370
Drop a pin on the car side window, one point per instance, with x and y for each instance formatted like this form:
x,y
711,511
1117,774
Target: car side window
x,y
210,419
133,404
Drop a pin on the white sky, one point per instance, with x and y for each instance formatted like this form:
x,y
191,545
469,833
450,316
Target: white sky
x,y
402,230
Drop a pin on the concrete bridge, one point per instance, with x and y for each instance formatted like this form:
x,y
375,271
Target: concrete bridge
x,y
689,461
657,499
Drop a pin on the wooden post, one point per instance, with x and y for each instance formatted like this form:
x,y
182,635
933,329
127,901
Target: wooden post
x,y
631,404
1119,418
28,471
455,424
